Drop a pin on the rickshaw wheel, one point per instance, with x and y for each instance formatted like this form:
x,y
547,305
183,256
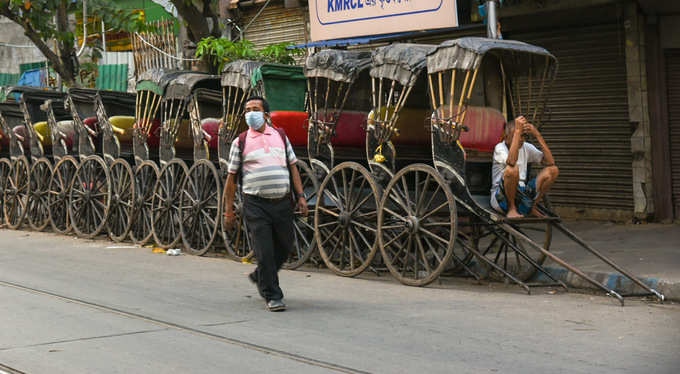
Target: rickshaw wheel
x,y
90,197
237,239
5,167
166,220
38,197
122,200
199,207
495,249
62,177
16,193
345,221
304,227
417,225
146,176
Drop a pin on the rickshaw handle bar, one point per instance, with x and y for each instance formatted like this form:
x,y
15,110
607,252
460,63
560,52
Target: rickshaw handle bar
x,y
608,261
512,230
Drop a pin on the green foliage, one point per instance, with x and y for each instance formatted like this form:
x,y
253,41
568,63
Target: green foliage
x,y
220,51
39,15
280,53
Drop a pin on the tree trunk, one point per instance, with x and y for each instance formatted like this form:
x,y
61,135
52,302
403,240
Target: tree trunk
x,y
58,64
195,20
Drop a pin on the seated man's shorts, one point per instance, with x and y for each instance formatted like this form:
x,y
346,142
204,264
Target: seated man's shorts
x,y
524,198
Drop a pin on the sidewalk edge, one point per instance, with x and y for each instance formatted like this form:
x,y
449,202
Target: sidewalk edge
x,y
613,280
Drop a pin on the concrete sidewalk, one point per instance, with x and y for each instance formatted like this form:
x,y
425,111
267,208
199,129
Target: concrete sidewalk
x,y
649,251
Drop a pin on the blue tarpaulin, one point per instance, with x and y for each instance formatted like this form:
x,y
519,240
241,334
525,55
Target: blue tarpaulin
x,y
33,78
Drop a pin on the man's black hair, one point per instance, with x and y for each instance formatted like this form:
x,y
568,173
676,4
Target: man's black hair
x,y
265,104
509,126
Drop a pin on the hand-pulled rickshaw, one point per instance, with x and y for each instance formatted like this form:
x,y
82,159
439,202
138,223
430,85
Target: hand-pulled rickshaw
x,y
331,77
14,164
198,101
10,149
346,216
64,148
175,149
146,135
38,141
101,195
515,248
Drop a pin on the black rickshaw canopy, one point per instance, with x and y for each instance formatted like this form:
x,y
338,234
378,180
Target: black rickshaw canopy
x,y
401,62
35,97
337,65
181,86
239,73
467,54
156,80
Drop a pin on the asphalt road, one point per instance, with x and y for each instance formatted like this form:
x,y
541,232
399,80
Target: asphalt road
x,y
77,306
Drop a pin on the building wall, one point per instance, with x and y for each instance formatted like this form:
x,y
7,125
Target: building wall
x,y
636,67
663,35
12,57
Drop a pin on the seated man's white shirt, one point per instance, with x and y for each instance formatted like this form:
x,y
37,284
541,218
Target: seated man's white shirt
x,y
528,153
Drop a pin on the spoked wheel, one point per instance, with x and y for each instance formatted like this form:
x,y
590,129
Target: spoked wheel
x,y
237,239
16,193
38,196
62,177
200,207
90,197
345,222
511,253
5,168
417,225
304,227
146,176
166,219
122,200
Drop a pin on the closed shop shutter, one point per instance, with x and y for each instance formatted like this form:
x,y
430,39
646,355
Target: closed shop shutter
x,y
276,24
673,83
586,124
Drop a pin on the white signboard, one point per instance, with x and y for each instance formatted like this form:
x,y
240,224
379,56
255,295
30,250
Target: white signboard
x,y
333,19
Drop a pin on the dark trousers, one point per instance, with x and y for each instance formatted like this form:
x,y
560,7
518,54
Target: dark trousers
x,y
270,223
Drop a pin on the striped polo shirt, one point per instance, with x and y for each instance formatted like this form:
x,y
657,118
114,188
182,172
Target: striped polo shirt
x,y
265,173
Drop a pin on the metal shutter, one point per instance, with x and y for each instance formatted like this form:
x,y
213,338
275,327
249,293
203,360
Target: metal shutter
x,y
275,24
673,82
586,123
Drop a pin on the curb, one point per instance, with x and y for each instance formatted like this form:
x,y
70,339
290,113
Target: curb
x,y
613,280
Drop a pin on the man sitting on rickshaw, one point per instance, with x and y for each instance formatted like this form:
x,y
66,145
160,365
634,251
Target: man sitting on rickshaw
x,y
510,191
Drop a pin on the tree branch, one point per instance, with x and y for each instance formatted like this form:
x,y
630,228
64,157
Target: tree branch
x,y
208,12
194,18
34,37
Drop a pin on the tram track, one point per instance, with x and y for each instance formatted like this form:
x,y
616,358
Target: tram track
x,y
186,329
4,369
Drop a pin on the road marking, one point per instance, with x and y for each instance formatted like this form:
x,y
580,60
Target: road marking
x,y
222,338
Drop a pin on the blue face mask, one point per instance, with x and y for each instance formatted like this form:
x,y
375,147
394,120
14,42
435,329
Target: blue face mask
x,y
255,120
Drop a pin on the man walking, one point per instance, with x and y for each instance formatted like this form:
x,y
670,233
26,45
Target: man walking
x,y
265,162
